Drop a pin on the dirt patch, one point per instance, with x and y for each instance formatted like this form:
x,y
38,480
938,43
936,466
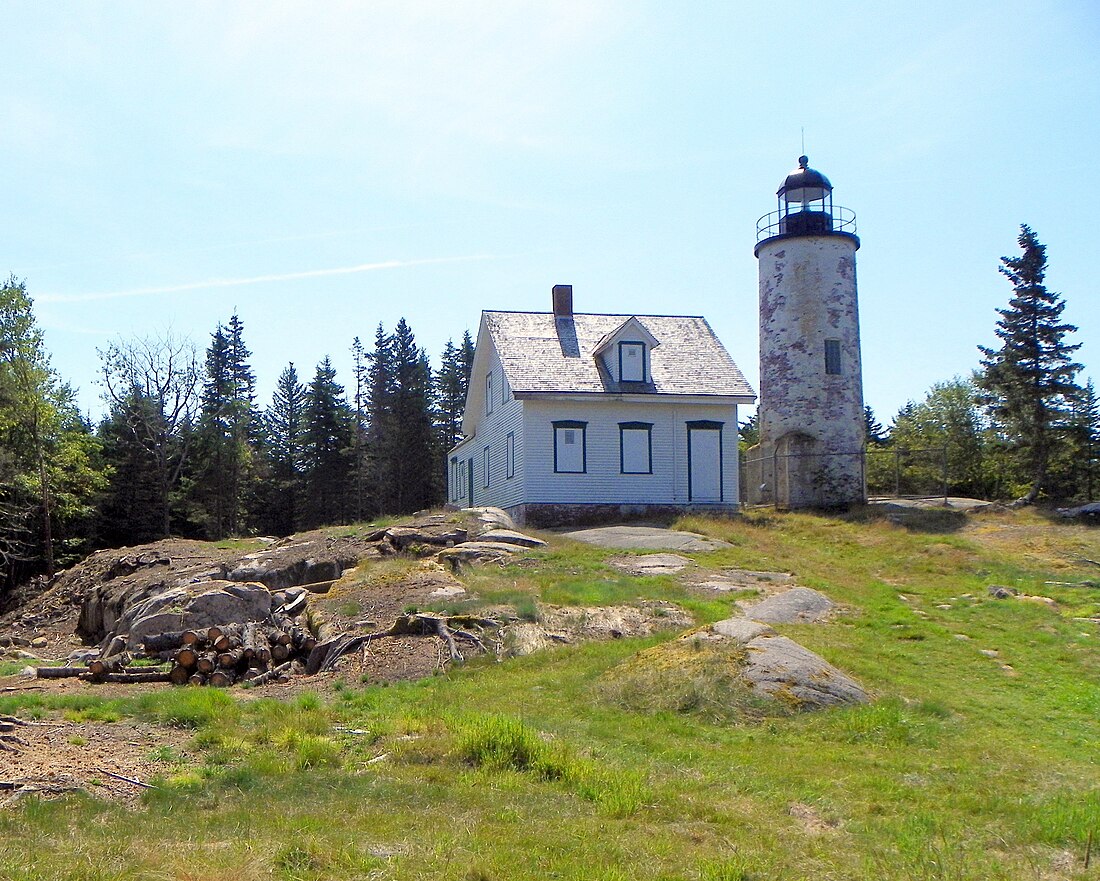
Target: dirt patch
x,y
811,820
54,757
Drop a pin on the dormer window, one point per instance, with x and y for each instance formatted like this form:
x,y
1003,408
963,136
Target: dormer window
x,y
625,354
632,362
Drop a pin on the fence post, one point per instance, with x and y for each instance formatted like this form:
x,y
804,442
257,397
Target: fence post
x,y
775,477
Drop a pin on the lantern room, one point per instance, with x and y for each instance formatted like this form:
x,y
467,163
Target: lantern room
x,y
805,208
805,201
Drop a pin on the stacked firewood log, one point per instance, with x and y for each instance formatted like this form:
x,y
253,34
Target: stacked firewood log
x,y
252,653
222,656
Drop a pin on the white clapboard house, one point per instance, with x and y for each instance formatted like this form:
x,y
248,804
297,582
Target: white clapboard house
x,y
574,417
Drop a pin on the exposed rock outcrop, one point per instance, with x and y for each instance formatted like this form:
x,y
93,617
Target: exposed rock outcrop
x,y
799,605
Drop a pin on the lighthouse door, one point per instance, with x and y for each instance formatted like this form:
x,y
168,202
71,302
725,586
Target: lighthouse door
x,y
704,461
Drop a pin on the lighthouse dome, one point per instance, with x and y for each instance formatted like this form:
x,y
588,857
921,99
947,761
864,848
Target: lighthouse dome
x,y
805,184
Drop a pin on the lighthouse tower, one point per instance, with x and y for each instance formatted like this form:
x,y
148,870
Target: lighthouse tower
x,y
811,422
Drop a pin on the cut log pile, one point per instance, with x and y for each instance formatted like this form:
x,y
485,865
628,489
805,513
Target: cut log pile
x,y
249,653
252,653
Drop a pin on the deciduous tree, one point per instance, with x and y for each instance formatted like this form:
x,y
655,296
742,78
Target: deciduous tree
x,y
151,384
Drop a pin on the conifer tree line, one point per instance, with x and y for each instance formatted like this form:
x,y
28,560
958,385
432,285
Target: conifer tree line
x,y
186,449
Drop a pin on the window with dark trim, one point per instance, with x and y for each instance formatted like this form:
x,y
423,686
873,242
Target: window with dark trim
x,y
455,489
510,464
832,357
636,447
488,392
485,465
570,447
631,362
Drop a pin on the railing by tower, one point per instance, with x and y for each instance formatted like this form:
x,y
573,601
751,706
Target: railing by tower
x,y
781,223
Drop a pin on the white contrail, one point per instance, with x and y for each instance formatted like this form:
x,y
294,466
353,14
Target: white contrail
x,y
256,279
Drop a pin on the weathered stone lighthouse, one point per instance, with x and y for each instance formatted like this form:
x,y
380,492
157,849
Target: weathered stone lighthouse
x,y
810,417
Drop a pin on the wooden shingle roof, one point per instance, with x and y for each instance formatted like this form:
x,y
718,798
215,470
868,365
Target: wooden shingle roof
x,y
544,354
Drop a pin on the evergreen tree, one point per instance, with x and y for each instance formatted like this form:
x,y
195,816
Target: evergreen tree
x,y
152,384
876,434
280,510
129,510
380,422
361,372
326,444
208,483
466,360
450,396
223,460
748,432
1029,380
241,425
1084,447
449,405
413,467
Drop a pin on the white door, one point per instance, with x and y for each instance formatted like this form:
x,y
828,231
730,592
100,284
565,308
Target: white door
x,y
704,464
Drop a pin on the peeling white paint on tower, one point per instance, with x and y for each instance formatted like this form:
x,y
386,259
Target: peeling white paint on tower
x,y
812,430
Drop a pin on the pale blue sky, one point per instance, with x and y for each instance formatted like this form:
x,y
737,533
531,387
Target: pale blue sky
x,y
323,166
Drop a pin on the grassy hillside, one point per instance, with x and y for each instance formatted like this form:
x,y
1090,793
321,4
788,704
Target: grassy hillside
x,y
980,758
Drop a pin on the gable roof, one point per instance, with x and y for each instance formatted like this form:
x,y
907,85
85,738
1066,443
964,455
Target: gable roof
x,y
542,353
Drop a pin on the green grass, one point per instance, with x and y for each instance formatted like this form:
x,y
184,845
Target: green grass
x,y
561,765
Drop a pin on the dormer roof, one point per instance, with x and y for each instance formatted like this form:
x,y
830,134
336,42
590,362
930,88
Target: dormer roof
x,y
631,329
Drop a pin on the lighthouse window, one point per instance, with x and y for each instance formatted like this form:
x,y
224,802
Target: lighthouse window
x,y
832,357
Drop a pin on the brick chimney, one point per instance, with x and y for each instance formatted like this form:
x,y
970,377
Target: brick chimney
x,y
563,301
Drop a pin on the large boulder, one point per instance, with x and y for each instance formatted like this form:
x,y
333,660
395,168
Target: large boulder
x,y
192,607
781,668
477,552
490,517
511,537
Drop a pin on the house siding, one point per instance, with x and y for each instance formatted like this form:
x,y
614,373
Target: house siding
x,y
603,482
492,431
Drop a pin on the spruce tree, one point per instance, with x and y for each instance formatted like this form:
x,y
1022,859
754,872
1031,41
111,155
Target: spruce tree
x,y
450,397
876,434
241,424
1084,430
326,444
208,482
284,423
413,465
379,439
1029,380
223,462
361,371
